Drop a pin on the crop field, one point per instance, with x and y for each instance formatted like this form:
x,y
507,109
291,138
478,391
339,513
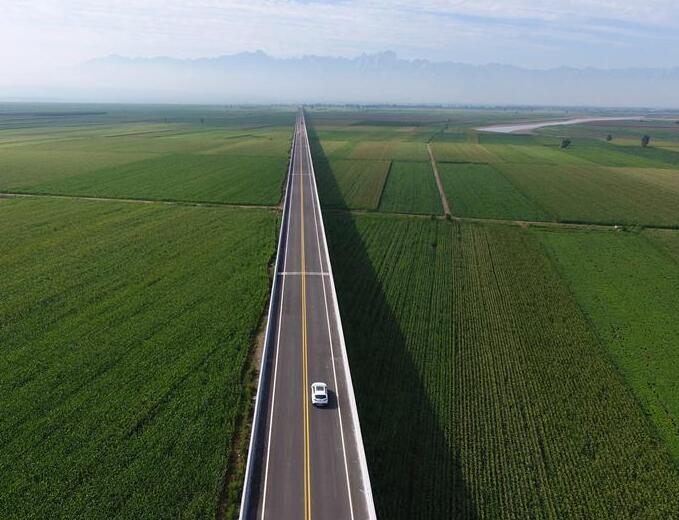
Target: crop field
x,y
411,188
662,178
667,240
478,376
393,150
531,154
125,330
179,177
627,284
595,194
462,152
356,184
610,155
233,157
479,190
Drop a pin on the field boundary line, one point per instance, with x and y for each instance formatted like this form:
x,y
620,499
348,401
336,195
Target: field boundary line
x,y
439,184
12,195
363,463
257,416
565,224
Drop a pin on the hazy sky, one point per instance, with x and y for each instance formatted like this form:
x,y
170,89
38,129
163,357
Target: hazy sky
x,y
37,35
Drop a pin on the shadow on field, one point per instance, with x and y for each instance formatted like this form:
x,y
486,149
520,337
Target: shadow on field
x,y
413,470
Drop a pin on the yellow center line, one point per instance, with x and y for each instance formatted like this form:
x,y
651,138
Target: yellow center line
x,y
305,376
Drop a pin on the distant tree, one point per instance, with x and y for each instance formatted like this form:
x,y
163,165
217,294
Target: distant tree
x,y
645,140
565,143
202,120
609,137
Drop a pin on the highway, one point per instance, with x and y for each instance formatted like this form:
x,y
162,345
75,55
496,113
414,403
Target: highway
x,y
305,462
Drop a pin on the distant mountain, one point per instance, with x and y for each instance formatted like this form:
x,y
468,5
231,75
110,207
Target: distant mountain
x,y
373,78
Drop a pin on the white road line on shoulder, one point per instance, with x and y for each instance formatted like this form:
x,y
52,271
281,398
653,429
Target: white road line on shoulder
x,y
317,215
302,273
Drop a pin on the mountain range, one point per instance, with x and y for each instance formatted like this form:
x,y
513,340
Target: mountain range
x,y
382,78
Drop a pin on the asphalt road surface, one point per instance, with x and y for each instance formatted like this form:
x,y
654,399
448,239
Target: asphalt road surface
x,y
308,463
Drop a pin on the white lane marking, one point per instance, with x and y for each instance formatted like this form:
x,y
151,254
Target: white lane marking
x,y
300,273
278,341
317,215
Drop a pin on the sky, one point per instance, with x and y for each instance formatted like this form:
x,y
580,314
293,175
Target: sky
x,y
40,34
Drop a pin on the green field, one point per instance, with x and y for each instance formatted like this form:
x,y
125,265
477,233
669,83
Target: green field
x,y
627,285
479,190
390,150
598,195
461,153
351,183
178,177
232,157
478,376
125,331
411,188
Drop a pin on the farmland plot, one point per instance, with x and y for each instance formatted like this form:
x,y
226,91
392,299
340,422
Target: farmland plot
x,y
124,332
479,190
666,240
461,152
611,155
182,177
532,154
355,184
662,178
478,377
22,167
411,188
397,150
595,194
628,288
238,164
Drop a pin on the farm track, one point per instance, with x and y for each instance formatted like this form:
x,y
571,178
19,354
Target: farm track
x,y
9,195
439,184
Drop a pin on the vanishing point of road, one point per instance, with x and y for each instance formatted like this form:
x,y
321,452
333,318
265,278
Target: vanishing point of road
x,y
304,462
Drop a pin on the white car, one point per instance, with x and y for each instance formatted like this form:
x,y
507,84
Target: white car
x,y
319,394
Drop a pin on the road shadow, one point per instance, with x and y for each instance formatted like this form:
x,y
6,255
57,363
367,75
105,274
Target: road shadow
x,y
414,470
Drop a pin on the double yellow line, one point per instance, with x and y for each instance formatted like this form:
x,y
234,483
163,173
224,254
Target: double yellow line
x,y
305,375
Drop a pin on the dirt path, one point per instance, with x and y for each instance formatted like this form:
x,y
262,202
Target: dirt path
x,y
510,222
439,184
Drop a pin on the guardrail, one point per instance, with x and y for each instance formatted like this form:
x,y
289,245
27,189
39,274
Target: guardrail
x,y
259,412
